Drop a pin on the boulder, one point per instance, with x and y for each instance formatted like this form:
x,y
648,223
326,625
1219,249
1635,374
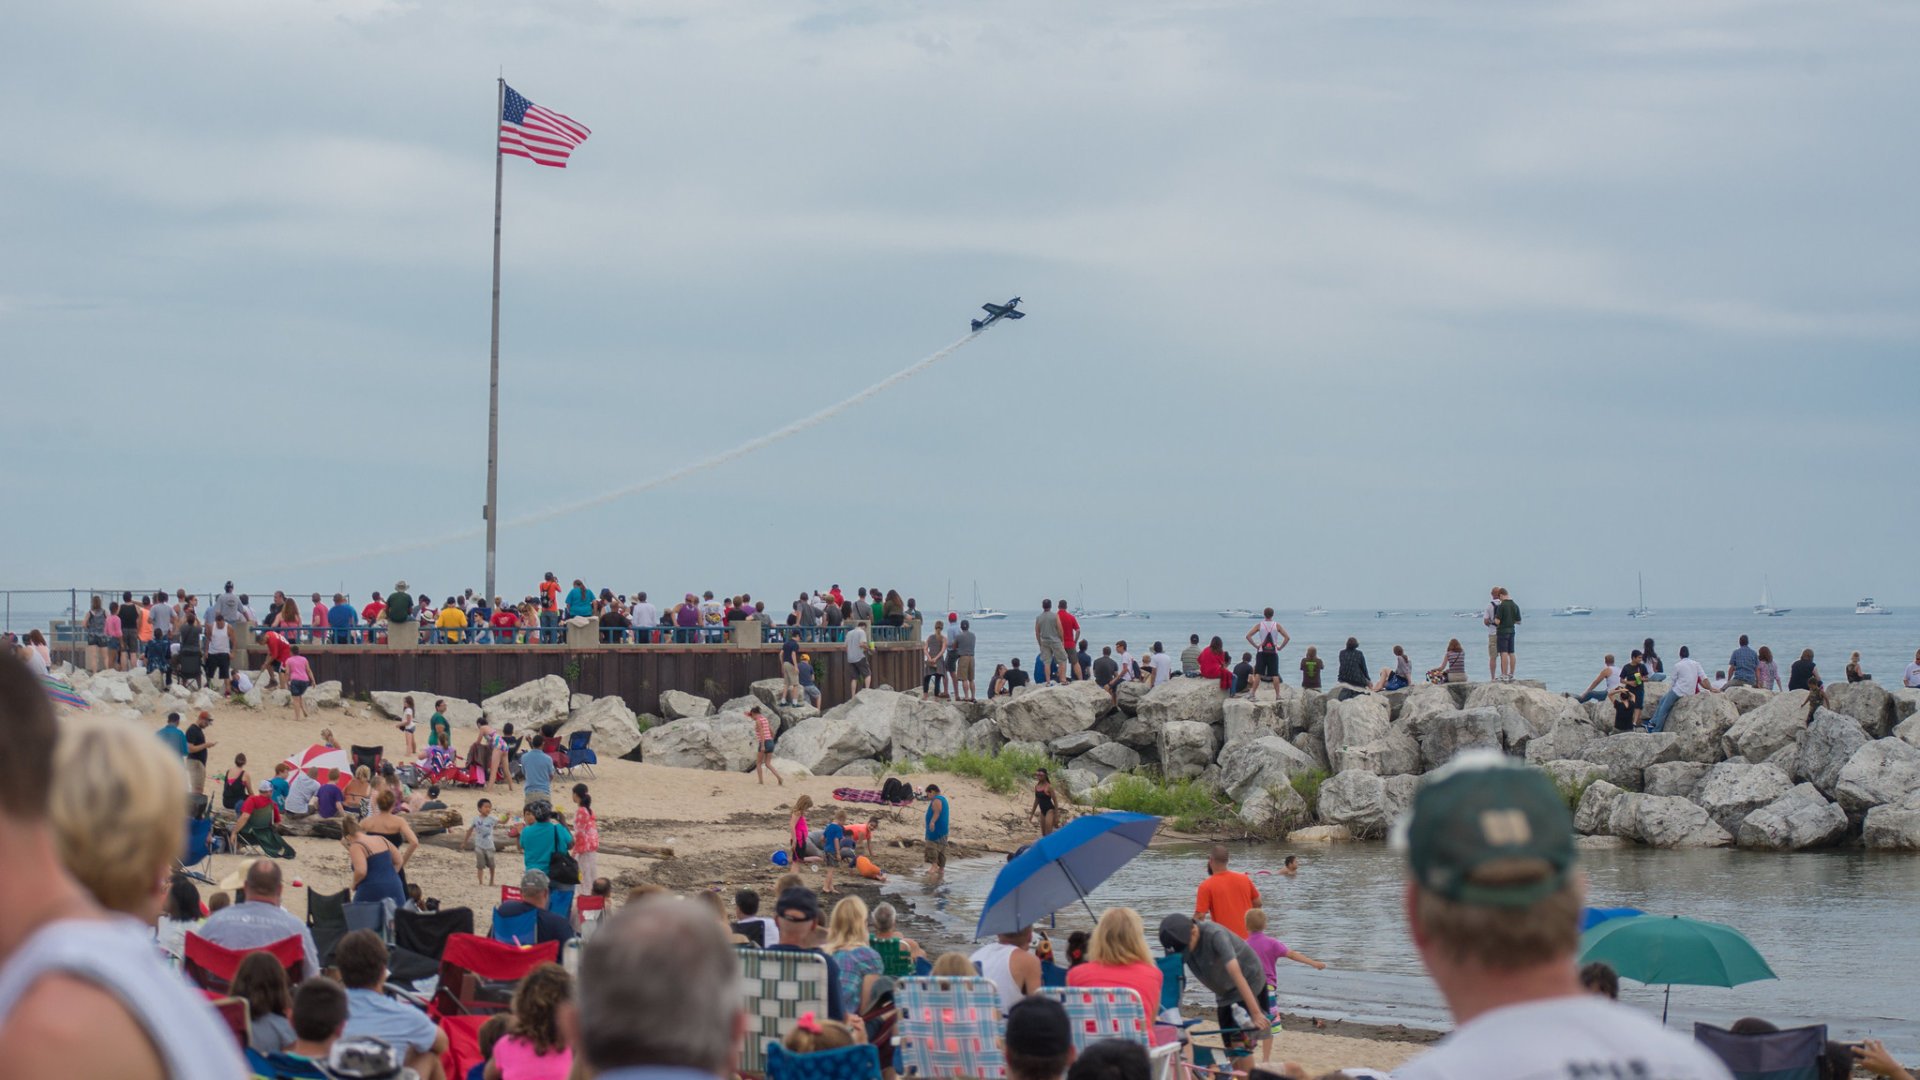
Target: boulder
x,y
1314,747
616,730
1194,701
1729,791
529,705
1697,724
983,736
1882,772
1540,708
1893,827
1278,810
1595,812
459,712
679,705
1392,754
1674,777
1129,695
141,683
1867,702
1048,712
1444,734
1601,843
1268,761
767,690
1244,720
1080,783
1422,702
323,695
723,742
1355,721
1564,740
1186,746
107,690
1908,731
1761,731
1828,744
1665,821
177,691
1320,834
1068,747
866,768
1906,702
1574,775
279,697
861,728
1626,756
1599,716
1800,819
1746,698
924,728
1130,730
1029,749
1361,801
1106,759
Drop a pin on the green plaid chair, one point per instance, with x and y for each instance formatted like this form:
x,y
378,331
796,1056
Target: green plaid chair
x,y
893,955
779,986
951,1027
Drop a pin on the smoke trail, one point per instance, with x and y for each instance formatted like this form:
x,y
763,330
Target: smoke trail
x,y
735,453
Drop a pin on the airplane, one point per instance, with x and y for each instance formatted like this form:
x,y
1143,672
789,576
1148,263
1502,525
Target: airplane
x,y
996,312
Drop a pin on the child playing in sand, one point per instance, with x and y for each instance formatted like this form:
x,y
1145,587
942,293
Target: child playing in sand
x,y
1270,951
480,837
407,725
803,850
838,845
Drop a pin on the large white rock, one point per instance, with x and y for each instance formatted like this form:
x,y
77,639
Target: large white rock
x,y
1730,791
1442,735
1244,720
1571,774
109,688
1392,754
1129,695
680,705
1359,801
1761,731
1106,759
1883,771
1540,708
1747,698
1829,743
1564,740
530,705
1908,731
1802,818
1048,712
459,713
1627,755
323,695
723,742
1893,827
861,728
1313,746
1356,721
1665,821
1423,701
983,736
926,728
616,730
1257,764
1867,702
1906,702
1697,724
1186,747
141,683
1199,701
1274,811
1594,815
1674,777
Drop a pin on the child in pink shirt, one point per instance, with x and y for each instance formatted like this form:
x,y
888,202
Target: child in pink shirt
x,y
1270,951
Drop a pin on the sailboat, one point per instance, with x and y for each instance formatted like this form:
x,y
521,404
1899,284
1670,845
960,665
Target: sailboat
x,y
1640,610
1765,606
980,611
1128,612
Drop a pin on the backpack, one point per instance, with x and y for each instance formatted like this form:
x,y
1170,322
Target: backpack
x,y
896,791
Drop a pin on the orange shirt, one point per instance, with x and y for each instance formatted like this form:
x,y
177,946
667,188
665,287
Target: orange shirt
x,y
1226,897
550,595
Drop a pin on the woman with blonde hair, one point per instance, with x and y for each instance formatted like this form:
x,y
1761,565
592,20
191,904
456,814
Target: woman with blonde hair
x,y
535,1046
954,965
117,813
857,962
1117,956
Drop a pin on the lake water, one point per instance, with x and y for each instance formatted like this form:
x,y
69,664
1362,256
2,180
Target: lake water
x,y
1835,926
1564,652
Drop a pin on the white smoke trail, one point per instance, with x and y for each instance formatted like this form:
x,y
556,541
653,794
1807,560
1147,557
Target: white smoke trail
x,y
735,453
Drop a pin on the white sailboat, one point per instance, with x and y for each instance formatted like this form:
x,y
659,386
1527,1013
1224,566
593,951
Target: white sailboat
x,y
1128,612
1640,610
1765,606
980,611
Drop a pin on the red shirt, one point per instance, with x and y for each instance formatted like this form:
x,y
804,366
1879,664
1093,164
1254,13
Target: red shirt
x,y
1069,628
504,619
1214,665
277,647
255,802
372,612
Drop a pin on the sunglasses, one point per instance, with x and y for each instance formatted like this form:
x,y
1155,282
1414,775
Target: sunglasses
x,y
796,918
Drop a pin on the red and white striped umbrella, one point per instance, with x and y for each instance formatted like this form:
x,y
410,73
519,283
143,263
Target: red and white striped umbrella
x,y
323,763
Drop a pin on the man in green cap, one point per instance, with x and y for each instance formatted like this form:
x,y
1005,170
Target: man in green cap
x,y
1494,903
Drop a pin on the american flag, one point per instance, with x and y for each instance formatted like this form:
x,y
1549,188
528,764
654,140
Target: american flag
x,y
540,135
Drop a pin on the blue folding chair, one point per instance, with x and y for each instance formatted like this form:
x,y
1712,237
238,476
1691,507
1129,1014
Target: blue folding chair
x,y
861,1062
514,930
579,754
197,860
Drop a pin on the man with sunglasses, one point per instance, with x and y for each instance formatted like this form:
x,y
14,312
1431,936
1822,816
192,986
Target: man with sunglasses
x,y
798,917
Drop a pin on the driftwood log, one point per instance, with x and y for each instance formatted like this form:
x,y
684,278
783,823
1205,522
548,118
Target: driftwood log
x,y
425,823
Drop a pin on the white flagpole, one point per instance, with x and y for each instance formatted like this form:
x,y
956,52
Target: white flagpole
x,y
493,377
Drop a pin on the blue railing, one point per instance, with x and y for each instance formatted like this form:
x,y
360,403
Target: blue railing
x,y
376,634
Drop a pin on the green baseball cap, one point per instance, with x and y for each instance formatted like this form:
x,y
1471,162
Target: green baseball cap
x,y
1483,809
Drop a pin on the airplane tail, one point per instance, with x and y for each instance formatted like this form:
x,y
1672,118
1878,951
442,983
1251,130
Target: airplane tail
x,y
977,324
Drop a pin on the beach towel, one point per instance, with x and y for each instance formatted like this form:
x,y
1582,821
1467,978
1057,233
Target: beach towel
x,y
861,795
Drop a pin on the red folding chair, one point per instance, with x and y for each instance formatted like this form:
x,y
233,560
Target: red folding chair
x,y
477,975
235,1014
588,909
211,966
463,1044
509,892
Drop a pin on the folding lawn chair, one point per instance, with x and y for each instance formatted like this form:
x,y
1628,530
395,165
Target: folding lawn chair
x,y
859,1062
427,932
1205,1058
257,834
372,915
197,860
779,987
515,929
588,911
282,1067
579,754
235,1014
211,967
951,1026
1112,1012
478,976
1793,1054
327,921
369,756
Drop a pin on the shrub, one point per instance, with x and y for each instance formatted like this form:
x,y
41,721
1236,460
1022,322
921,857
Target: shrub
x,y
1003,773
1308,785
1189,803
1572,790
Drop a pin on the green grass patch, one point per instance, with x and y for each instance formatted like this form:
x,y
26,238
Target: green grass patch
x,y
1573,790
1003,773
1188,803
1308,785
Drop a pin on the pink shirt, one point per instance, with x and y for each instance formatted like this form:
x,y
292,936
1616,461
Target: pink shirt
x,y
586,831
1269,951
1142,979
319,614
517,1061
297,669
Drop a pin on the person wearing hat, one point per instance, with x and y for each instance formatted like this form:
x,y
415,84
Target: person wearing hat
x,y
797,916
535,890
399,603
1494,902
809,690
1039,1039
1228,966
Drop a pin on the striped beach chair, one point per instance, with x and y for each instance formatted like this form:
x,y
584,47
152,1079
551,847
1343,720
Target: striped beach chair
x,y
951,1027
1112,1012
779,986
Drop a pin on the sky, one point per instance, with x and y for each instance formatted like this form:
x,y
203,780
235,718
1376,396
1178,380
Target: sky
x,y
1352,303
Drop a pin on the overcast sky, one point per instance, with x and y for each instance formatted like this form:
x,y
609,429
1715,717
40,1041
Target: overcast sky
x,y
1344,302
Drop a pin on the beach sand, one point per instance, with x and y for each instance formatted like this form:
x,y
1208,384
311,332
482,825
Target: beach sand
x,y
723,828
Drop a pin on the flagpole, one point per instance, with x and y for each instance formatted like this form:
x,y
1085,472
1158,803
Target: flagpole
x,y
493,375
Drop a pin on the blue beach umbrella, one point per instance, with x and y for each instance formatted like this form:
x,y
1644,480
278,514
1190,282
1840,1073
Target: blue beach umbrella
x,y
1062,868
1594,916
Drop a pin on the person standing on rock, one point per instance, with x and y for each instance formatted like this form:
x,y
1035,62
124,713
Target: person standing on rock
x,y
1070,636
1506,621
1267,638
1047,633
963,646
858,665
790,669
1490,619
936,659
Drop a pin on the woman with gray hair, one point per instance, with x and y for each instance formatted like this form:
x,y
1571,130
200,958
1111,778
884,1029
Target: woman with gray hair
x,y
898,953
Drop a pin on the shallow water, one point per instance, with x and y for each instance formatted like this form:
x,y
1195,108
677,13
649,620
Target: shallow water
x,y
1835,926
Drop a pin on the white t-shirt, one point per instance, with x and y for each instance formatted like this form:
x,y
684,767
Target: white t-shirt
x,y
1686,676
645,614
1126,665
1913,674
1562,1038
856,644
1162,668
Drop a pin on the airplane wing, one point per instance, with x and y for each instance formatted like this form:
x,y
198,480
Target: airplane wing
x,y
1016,314
993,309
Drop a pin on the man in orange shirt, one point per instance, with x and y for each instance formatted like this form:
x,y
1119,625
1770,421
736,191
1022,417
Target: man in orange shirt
x,y
1227,895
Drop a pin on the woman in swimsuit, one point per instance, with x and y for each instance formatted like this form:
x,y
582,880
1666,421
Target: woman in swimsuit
x,y
392,828
376,873
1043,805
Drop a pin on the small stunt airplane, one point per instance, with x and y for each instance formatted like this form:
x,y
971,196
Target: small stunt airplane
x,y
996,312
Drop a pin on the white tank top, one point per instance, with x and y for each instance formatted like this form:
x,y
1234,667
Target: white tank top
x,y
996,964
118,956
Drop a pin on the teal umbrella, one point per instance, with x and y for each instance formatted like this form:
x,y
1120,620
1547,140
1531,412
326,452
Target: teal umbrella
x,y
1670,950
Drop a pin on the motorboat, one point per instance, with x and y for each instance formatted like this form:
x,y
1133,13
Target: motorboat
x,y
981,612
1574,609
1866,606
1237,613
1316,611
1466,614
